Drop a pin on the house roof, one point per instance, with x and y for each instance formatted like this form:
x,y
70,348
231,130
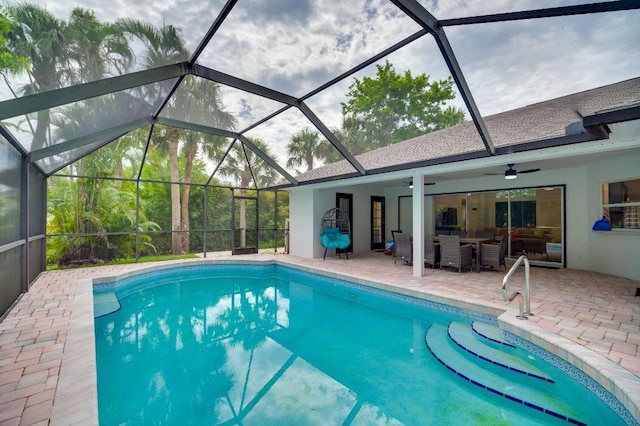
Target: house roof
x,y
564,120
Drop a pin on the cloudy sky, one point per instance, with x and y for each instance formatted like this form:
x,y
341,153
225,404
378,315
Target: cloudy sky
x,y
294,46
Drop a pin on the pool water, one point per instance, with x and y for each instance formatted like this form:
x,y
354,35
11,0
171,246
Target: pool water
x,y
269,345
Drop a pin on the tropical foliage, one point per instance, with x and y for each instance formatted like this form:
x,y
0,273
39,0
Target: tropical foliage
x,y
153,190
395,107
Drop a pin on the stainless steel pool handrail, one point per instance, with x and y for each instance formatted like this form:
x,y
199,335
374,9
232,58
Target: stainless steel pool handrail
x,y
524,311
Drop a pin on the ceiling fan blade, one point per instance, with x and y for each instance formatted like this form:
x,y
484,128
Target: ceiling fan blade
x,y
410,183
529,171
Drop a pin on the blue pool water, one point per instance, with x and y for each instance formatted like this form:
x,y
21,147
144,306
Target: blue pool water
x,y
270,345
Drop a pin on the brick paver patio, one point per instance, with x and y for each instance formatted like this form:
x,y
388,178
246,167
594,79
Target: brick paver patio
x,y
47,356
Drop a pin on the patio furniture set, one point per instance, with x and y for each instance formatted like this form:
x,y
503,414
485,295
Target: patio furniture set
x,y
455,251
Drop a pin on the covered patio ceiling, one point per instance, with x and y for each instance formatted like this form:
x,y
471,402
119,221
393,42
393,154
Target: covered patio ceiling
x,y
285,66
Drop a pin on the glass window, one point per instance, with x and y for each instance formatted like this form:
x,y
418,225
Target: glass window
x,y
530,217
621,203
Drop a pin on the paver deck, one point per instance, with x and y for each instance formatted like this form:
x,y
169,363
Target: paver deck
x,y
590,319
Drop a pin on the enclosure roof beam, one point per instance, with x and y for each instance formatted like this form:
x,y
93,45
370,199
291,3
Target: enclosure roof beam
x,y
107,134
195,127
80,92
212,30
580,9
244,85
418,13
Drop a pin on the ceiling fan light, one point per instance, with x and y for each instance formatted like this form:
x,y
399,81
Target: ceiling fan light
x,y
510,174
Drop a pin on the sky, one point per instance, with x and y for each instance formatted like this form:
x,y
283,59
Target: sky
x,y
294,46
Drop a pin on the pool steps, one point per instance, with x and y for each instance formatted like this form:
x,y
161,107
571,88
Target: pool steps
x,y
105,304
463,336
471,353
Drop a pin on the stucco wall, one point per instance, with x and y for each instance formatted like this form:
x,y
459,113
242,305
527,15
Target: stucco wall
x,y
615,253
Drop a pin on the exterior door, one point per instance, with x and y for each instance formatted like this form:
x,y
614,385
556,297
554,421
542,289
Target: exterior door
x,y
377,223
345,202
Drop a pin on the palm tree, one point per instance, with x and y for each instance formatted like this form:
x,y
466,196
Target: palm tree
x,y
97,49
40,37
305,147
163,46
352,135
201,103
240,170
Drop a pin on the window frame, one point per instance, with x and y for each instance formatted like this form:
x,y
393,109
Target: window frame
x,y
605,209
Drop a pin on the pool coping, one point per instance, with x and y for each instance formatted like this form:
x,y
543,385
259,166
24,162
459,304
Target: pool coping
x,y
78,376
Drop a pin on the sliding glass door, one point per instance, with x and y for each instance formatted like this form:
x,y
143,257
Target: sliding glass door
x,y
532,219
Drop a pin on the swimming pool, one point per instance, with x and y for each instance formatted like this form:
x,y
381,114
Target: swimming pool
x,y
250,344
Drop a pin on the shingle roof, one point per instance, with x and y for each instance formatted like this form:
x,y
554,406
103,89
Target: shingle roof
x,y
551,119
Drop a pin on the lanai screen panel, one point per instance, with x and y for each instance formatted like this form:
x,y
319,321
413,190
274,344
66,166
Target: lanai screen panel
x,y
11,258
78,42
465,8
509,65
10,193
78,120
293,47
207,103
120,159
294,142
362,132
197,154
36,200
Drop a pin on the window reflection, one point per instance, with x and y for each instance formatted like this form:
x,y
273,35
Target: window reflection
x,y
531,217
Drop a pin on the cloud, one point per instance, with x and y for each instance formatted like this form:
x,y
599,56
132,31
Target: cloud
x,y
294,46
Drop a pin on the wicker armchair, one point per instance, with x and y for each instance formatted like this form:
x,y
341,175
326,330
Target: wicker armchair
x,y
452,254
403,248
431,251
493,254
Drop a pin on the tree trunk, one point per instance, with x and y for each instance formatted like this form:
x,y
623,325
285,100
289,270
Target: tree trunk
x,y
40,135
176,238
243,218
118,168
186,189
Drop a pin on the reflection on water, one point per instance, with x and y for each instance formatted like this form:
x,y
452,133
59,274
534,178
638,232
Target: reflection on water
x,y
270,351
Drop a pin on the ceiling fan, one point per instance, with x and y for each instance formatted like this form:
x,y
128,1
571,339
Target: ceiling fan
x,y
409,183
512,173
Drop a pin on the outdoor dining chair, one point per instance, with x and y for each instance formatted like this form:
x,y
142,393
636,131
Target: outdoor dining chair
x,y
492,255
431,251
403,248
452,254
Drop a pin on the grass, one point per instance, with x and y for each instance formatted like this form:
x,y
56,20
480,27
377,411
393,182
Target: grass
x,y
124,261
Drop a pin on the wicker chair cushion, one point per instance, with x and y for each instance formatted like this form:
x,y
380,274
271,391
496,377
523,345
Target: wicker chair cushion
x,y
333,239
